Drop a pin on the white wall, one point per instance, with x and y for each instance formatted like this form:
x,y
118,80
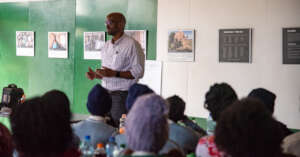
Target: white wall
x,y
191,80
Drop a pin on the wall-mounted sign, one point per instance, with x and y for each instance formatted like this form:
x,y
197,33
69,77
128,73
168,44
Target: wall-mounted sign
x,y
235,45
291,45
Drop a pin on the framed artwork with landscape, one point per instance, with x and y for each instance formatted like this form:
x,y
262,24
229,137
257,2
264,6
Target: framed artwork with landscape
x,y
181,45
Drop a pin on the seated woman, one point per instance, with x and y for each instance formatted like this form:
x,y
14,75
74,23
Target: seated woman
x,y
147,126
6,143
41,127
217,99
135,91
185,137
247,129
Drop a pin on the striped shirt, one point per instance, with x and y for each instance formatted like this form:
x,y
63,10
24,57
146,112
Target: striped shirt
x,y
125,54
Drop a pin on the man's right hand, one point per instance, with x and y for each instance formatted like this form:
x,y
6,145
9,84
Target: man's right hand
x,y
91,75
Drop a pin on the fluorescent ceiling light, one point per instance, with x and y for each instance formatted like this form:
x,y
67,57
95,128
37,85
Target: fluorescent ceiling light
x,y
8,1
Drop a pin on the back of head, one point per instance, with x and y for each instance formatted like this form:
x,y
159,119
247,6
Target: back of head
x,y
41,125
146,125
99,101
218,98
58,104
247,129
134,92
6,142
264,95
177,107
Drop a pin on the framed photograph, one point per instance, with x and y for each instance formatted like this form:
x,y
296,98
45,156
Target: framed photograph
x,y
140,36
181,45
25,43
235,45
58,44
93,44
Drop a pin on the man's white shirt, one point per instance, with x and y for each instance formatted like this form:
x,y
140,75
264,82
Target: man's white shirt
x,y
125,54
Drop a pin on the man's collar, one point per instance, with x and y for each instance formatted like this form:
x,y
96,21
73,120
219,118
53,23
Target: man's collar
x,y
142,153
119,40
96,118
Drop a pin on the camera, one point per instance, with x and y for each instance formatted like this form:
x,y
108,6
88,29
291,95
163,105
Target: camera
x,y
11,96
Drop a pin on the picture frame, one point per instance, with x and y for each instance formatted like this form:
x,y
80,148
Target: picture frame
x,y
93,43
58,44
181,45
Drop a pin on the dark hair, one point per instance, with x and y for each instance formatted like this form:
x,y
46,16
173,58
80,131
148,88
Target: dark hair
x,y
6,142
265,96
247,129
218,98
41,125
176,109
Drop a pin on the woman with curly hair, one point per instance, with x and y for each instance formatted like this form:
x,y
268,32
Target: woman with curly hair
x,y
218,98
41,127
247,129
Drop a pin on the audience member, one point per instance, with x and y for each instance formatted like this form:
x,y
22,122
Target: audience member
x,y
185,137
135,91
268,98
150,134
247,129
41,127
98,104
6,142
218,98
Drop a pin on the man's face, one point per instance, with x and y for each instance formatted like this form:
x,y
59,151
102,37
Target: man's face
x,y
112,25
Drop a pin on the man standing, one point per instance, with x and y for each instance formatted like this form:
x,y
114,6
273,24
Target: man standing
x,y
122,64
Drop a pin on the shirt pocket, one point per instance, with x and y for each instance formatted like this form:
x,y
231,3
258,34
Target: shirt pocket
x,y
120,60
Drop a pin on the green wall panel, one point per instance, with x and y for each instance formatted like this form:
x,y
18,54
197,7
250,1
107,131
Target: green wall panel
x,y
39,74
12,69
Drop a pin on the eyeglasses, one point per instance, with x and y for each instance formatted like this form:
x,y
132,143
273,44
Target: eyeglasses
x,y
109,22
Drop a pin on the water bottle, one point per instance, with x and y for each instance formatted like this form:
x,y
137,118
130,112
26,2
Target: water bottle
x,y
211,124
110,147
122,121
86,147
122,148
100,151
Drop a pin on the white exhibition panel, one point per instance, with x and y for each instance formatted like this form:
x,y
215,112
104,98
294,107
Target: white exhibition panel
x,y
206,17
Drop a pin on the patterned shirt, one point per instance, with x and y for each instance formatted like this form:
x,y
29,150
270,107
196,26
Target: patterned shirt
x,y
125,54
207,148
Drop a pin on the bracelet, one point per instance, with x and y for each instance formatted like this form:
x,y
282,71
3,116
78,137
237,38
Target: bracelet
x,y
118,74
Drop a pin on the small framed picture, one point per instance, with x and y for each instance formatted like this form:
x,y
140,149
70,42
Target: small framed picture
x,y
58,44
93,44
140,36
181,45
25,43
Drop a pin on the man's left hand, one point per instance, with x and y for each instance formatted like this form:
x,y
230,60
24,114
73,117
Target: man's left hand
x,y
106,72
